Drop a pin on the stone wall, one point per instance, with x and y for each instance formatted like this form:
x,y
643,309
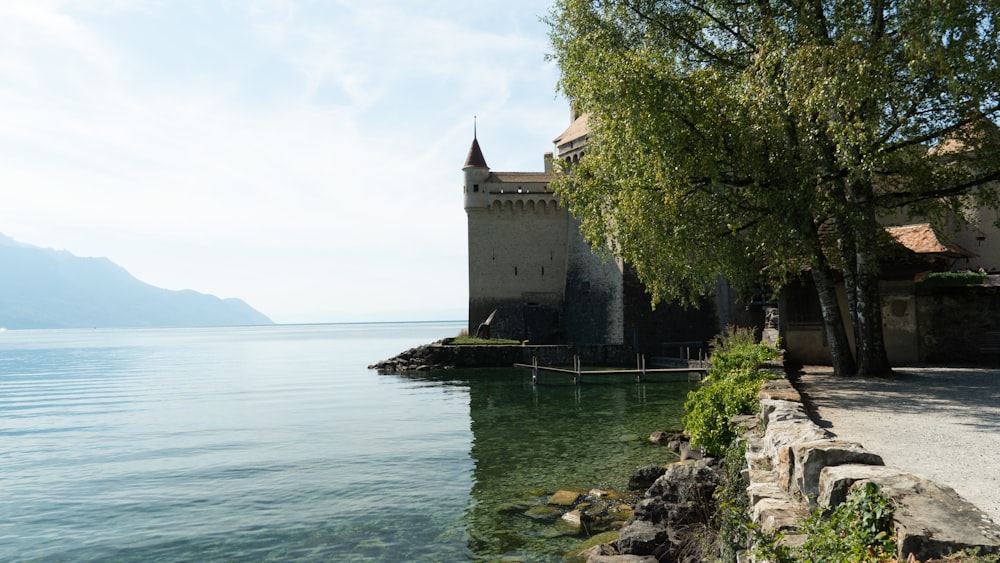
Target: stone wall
x,y
960,324
794,466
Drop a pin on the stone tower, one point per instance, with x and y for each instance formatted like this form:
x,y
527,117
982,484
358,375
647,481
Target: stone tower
x,y
531,275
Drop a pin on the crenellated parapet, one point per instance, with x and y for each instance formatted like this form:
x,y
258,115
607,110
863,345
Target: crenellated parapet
x,y
548,206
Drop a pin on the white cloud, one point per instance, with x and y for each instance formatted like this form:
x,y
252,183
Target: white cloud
x,y
317,172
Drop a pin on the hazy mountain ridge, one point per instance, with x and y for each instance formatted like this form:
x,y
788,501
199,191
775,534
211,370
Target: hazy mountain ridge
x,y
46,288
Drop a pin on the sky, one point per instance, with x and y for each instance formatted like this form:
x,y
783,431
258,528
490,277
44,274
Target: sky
x,y
302,155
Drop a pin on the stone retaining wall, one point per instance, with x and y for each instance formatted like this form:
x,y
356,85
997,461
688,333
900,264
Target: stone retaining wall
x,y
793,466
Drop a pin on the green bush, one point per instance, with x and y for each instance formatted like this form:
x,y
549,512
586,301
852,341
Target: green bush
x,y
737,349
953,279
730,389
860,529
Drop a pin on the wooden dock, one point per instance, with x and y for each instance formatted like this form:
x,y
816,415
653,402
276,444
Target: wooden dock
x,y
641,372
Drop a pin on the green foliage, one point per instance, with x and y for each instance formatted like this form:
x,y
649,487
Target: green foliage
x,y
730,389
953,279
473,341
738,349
860,529
732,513
755,140
972,556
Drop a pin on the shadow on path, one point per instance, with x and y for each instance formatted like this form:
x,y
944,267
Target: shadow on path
x,y
942,424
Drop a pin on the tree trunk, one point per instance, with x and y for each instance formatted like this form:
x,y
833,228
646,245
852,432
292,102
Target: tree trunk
x,y
869,340
833,321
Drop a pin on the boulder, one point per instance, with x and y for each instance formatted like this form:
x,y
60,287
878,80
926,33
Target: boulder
x,y
779,389
835,481
644,477
543,513
573,517
642,537
677,502
605,553
666,437
811,457
788,432
933,521
773,410
779,514
690,452
762,490
681,496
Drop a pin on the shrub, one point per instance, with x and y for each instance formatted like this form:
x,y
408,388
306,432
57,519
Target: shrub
x,y
730,389
860,529
953,279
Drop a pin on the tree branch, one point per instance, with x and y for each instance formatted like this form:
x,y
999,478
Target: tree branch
x,y
901,199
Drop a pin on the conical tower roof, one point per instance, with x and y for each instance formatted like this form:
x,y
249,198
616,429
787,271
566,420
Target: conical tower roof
x,y
475,158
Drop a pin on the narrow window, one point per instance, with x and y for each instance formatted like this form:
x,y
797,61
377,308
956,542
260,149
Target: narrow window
x,y
543,270
475,187
515,270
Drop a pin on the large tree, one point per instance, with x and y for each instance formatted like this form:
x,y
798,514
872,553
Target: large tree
x,y
761,139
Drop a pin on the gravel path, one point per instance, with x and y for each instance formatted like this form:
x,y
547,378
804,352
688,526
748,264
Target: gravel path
x,y
941,424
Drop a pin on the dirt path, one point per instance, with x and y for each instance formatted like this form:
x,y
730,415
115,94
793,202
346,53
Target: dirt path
x,y
941,424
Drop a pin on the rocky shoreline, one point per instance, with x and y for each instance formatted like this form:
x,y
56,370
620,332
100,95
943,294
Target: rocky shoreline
x,y
791,467
443,354
665,521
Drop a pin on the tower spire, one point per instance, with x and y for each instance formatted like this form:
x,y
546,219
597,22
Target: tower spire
x,y
475,158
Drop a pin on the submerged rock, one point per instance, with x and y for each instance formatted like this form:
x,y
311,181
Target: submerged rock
x,y
543,513
564,498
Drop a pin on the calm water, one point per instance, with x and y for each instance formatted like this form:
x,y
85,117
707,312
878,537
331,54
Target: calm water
x,y
277,444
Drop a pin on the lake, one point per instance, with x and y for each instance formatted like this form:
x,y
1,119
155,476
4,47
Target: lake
x,y
277,443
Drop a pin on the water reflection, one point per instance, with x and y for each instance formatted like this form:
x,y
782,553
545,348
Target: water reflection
x,y
531,440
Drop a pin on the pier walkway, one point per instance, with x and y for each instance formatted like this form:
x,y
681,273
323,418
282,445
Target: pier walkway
x,y
696,369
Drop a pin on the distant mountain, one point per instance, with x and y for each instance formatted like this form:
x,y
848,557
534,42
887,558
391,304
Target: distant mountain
x,y
45,288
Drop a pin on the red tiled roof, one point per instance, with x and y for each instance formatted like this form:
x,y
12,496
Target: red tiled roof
x,y
921,239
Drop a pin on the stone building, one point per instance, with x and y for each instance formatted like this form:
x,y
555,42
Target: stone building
x,y
921,322
532,276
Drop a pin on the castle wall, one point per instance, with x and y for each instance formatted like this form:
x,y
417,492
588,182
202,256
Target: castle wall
x,y
594,293
517,262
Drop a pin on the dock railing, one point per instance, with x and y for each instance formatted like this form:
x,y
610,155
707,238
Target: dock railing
x,y
696,369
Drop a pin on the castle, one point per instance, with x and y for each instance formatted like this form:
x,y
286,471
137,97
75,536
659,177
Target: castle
x,y
533,277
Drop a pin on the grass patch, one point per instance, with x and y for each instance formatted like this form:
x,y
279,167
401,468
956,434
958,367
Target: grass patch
x,y
473,341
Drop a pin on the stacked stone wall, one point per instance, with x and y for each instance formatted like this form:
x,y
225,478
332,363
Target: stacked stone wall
x,y
794,466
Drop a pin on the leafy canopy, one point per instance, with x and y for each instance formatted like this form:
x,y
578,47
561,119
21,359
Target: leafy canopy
x,y
753,139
